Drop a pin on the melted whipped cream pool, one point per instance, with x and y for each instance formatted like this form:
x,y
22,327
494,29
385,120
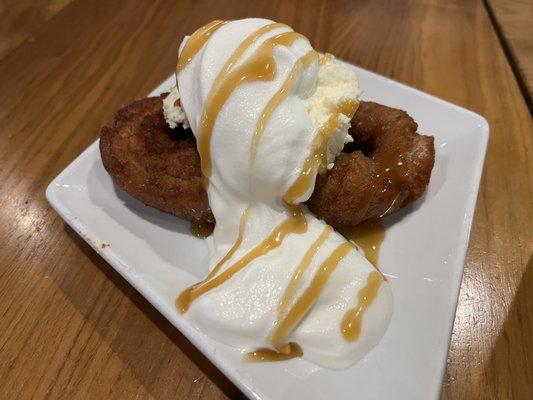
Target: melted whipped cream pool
x,y
268,116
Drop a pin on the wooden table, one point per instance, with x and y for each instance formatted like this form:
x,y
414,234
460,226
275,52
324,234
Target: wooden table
x,y
72,328
513,20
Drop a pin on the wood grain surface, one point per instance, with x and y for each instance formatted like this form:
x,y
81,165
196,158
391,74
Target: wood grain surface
x,y
20,18
514,21
71,328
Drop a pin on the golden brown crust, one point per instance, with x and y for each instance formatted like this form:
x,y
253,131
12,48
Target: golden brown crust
x,y
153,163
161,167
366,181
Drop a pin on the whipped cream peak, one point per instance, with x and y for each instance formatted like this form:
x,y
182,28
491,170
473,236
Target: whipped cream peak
x,y
268,115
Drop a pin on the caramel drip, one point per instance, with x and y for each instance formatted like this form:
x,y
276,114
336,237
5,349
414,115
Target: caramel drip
x,y
305,179
202,230
286,352
260,67
296,223
351,322
369,235
234,247
392,170
239,51
348,108
279,96
310,296
391,174
311,165
317,160
245,45
326,58
288,295
196,42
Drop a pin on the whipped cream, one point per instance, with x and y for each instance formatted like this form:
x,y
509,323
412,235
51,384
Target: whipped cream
x,y
267,118
336,85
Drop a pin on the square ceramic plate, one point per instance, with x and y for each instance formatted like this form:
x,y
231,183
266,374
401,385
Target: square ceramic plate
x,y
422,256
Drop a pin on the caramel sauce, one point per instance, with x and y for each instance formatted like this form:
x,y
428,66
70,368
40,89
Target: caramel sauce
x,y
234,247
309,297
279,96
181,301
392,172
311,165
202,230
304,181
196,42
288,295
326,58
296,223
260,67
348,108
369,235
286,352
317,160
351,322
245,45
392,167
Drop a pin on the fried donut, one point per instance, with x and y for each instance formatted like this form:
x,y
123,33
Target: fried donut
x,y
153,163
386,167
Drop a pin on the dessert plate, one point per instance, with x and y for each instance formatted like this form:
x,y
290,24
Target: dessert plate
x,y
422,256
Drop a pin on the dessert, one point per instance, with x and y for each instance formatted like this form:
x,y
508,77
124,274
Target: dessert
x,y
391,168
269,115
160,165
153,163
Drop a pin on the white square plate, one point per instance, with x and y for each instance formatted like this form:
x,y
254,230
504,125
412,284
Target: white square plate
x,y
422,256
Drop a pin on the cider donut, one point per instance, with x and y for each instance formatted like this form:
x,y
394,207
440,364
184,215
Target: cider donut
x,y
153,163
386,167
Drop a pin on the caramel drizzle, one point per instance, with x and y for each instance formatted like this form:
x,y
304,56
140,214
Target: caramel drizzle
x,y
309,297
234,247
352,320
260,67
296,223
234,58
279,96
316,162
326,58
245,45
392,169
196,42
288,295
202,229
304,181
369,236
286,352
239,51
185,298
